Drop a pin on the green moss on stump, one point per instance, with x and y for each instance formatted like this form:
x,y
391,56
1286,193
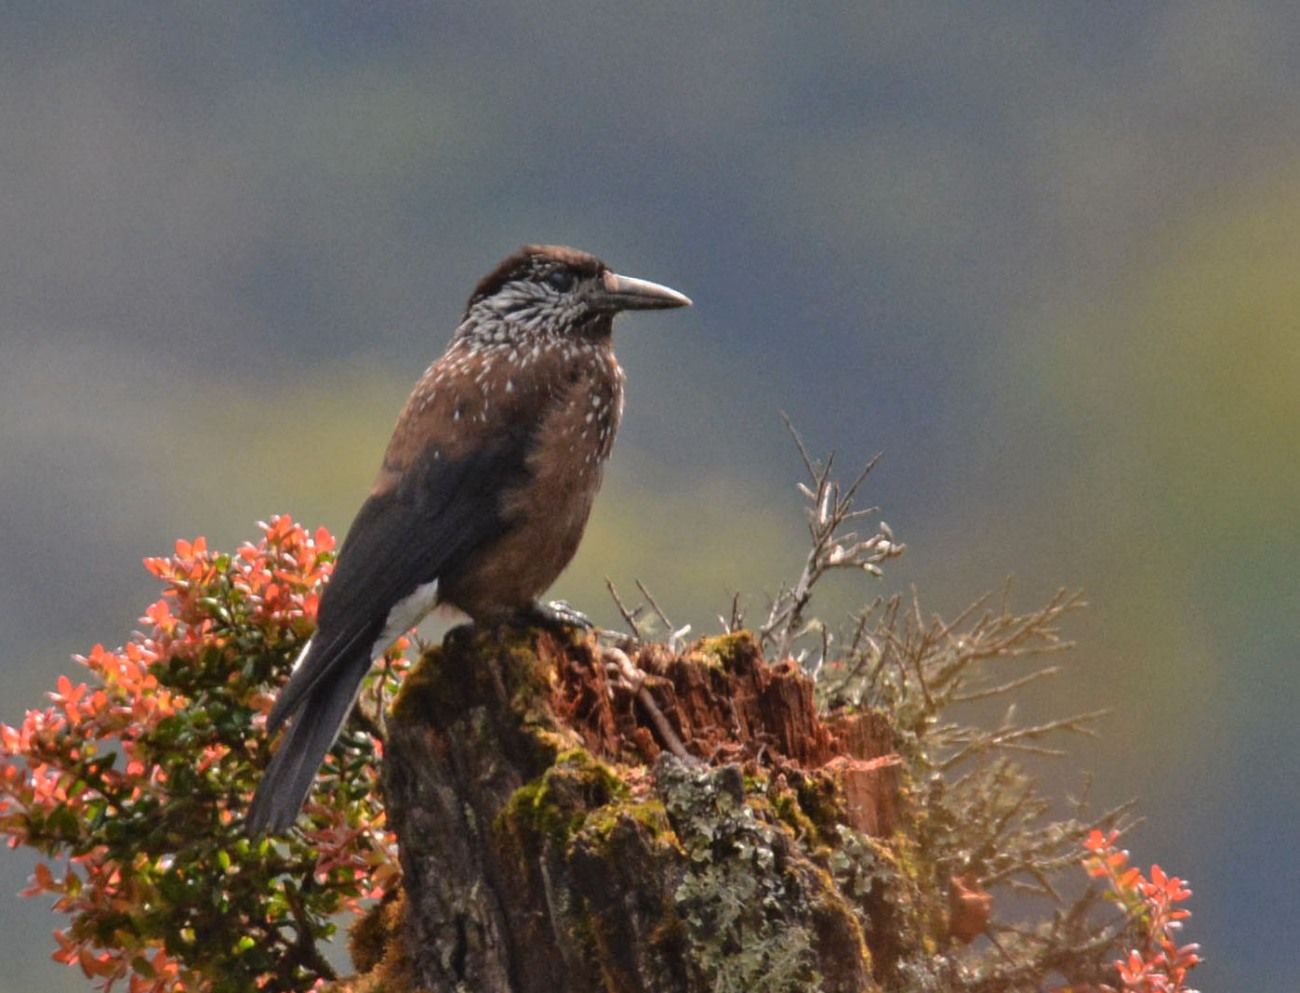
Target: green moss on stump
x,y
557,804
726,650
449,674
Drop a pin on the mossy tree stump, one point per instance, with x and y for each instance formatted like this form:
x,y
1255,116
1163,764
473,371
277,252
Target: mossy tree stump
x,y
551,841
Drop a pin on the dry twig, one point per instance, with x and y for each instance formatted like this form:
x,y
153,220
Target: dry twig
x,y
830,508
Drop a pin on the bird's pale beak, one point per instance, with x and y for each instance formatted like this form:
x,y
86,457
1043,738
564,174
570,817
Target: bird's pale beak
x,y
625,293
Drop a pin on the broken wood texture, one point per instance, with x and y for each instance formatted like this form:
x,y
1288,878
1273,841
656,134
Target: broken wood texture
x,y
551,841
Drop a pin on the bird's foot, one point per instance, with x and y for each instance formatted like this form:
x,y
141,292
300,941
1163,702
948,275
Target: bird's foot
x,y
557,614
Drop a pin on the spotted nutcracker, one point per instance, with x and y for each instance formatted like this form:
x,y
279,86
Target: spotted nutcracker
x,y
483,495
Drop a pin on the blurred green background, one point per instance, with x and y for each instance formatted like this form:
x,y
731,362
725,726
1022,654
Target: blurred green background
x,y
1043,255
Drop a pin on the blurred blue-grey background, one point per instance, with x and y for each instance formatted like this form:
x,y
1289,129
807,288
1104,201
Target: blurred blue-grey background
x,y
1045,256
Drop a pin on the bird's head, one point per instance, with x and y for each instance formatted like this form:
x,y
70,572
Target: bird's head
x,y
550,291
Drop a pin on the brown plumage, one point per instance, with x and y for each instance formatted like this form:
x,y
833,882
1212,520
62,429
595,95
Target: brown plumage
x,y
483,494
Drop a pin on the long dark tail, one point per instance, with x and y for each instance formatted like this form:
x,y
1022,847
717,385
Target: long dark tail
x,y
312,730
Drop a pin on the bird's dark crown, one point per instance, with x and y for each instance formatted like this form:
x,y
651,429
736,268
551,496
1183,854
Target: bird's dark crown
x,y
536,263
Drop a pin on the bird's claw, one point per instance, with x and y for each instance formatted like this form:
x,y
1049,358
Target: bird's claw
x,y
558,614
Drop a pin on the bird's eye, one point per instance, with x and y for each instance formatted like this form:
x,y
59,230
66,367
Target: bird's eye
x,y
562,280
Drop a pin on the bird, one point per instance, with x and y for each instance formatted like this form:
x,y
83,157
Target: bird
x,y
482,495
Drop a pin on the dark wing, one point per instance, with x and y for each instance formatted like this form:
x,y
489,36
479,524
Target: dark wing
x,y
438,512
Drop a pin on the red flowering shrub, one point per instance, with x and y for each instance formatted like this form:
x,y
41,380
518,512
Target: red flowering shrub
x,y
1155,963
132,786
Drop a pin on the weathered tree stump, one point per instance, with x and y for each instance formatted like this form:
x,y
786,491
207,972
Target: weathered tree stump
x,y
552,843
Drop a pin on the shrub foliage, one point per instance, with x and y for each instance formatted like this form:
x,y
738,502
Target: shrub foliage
x,y
132,785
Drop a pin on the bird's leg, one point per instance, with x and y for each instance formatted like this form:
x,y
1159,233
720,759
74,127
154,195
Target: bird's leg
x,y
556,614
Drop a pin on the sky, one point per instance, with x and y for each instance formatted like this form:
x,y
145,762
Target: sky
x,y
1040,255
